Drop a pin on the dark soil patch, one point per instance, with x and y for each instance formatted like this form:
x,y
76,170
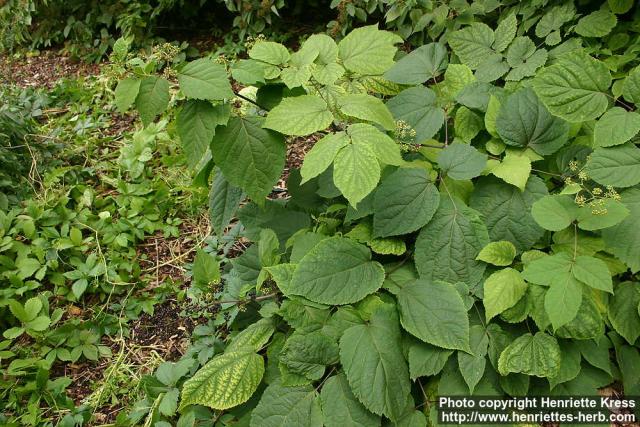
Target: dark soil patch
x,y
44,70
165,330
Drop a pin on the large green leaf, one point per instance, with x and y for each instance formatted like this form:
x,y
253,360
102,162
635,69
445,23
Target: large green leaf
x,y
227,380
366,107
554,212
308,354
356,172
337,271
623,240
506,210
515,169
537,355
385,148
473,44
623,310
126,93
616,127
282,406
596,24
405,201
196,125
426,359
617,166
575,88
153,98
299,115
205,79
505,32
502,290
417,107
498,253
342,409
249,156
322,154
472,365
435,313
270,52
422,64
367,50
447,247
375,366
523,121
461,161
224,201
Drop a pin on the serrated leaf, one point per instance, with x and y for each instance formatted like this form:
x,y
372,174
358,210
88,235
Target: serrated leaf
x,y
554,212
593,272
282,406
472,365
366,107
308,354
456,78
269,52
417,107
499,253
623,310
196,126
502,290
447,247
616,127
631,86
515,169
405,201
345,410
225,381
617,166
607,213
426,359
126,93
299,115
623,240
473,44
254,337
505,32
596,24
537,355
224,201
322,154
467,124
356,172
337,271
461,161
205,79
249,156
435,313
575,88
206,268
367,50
385,148
153,98
374,365
523,121
524,59
422,64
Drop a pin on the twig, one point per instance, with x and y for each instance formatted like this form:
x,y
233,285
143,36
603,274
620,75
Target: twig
x,y
251,101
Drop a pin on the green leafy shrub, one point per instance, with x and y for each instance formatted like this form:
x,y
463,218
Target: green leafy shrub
x,y
466,222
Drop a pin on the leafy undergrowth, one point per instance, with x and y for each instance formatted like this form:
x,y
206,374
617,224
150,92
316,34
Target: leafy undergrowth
x,y
465,224
383,227
97,222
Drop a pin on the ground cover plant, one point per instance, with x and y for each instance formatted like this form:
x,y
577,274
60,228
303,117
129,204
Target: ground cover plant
x,y
462,220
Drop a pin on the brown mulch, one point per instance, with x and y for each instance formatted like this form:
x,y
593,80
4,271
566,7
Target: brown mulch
x,y
43,70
